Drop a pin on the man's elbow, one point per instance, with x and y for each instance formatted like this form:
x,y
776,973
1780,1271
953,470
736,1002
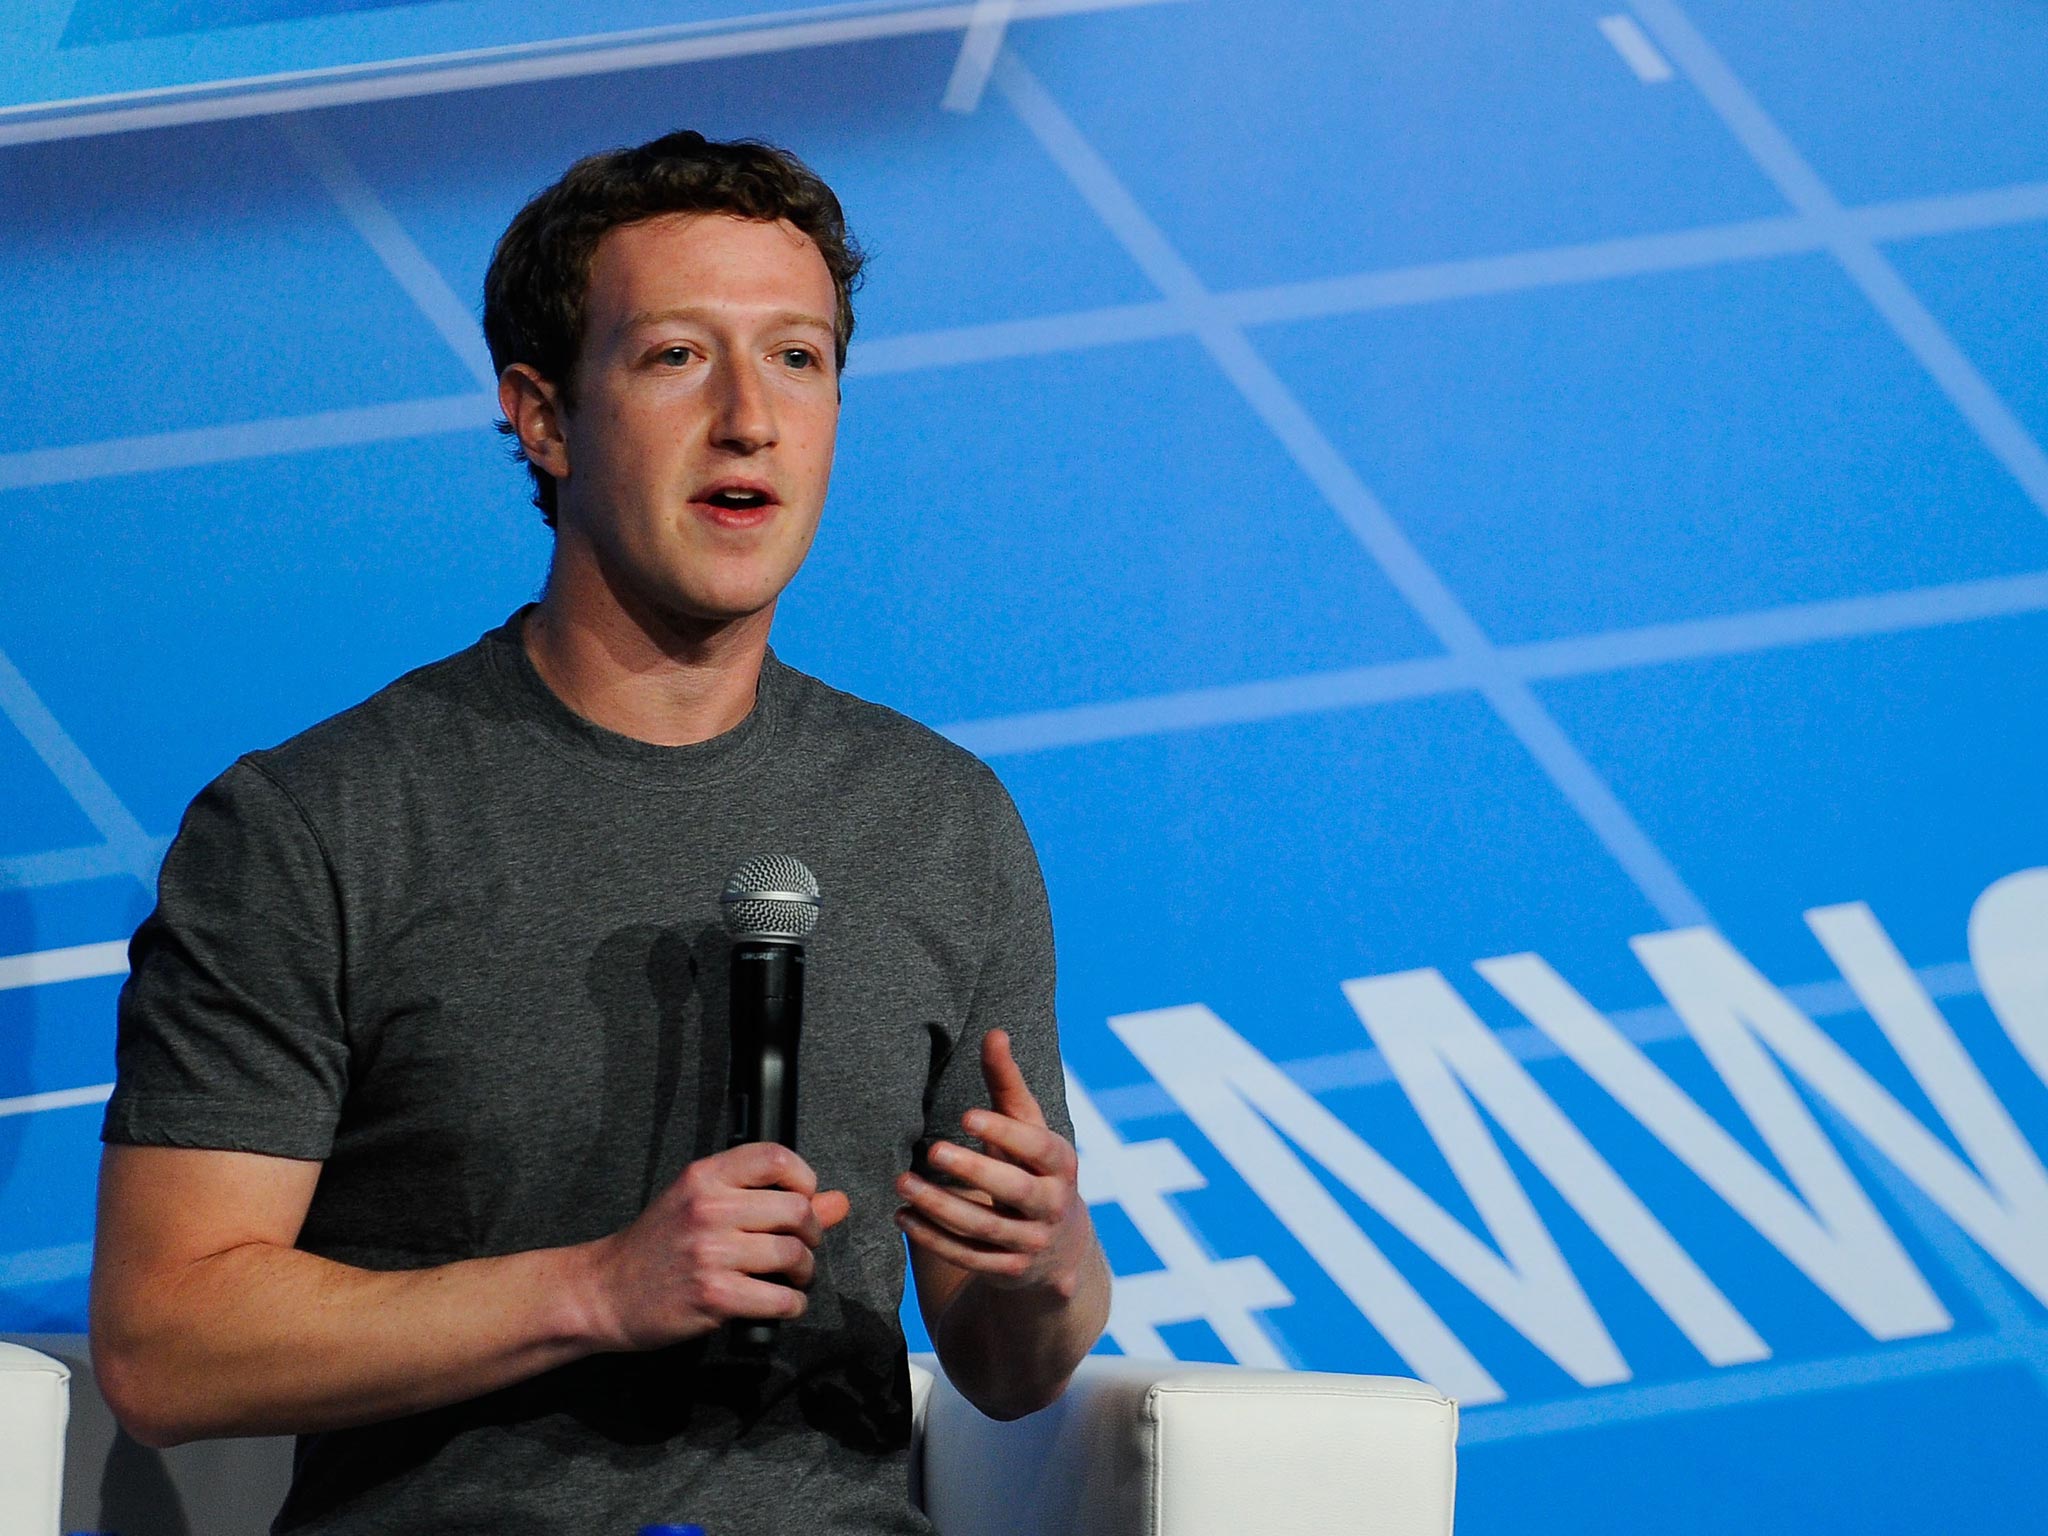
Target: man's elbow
x,y
142,1339
138,1391
1016,1402
1007,1388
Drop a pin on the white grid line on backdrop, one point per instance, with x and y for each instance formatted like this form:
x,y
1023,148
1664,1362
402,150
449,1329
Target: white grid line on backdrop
x,y
133,848
409,266
978,50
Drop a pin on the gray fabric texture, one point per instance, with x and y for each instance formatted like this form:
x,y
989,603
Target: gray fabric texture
x,y
463,947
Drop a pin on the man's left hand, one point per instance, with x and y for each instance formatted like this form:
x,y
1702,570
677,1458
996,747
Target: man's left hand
x,y
1012,1214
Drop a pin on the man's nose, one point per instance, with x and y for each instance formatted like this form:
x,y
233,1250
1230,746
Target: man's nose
x,y
745,422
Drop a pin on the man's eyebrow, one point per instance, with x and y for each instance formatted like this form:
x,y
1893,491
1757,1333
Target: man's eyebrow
x,y
781,317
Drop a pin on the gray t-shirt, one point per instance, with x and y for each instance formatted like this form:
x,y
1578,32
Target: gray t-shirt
x,y
463,947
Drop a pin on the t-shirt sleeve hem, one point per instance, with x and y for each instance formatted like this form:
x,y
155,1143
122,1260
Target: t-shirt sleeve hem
x,y
204,1122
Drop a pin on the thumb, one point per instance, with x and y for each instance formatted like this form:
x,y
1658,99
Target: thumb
x,y
830,1206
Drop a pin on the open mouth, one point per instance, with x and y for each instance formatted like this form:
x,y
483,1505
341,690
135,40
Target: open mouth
x,y
735,500
737,503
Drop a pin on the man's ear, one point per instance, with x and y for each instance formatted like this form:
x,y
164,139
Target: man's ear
x,y
533,407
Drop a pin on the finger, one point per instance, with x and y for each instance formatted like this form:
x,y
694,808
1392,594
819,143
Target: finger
x,y
830,1207
1003,1182
1008,1093
737,1295
767,1253
776,1210
1028,1145
765,1165
975,1257
967,1218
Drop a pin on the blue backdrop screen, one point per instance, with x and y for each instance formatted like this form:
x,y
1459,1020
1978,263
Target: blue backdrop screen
x,y
1502,549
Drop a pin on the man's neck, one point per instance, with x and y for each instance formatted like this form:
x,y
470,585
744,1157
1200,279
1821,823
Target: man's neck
x,y
665,681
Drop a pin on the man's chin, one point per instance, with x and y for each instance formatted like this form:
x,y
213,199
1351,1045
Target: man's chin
x,y
697,613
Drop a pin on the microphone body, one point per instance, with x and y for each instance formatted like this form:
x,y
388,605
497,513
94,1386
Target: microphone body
x,y
767,992
771,906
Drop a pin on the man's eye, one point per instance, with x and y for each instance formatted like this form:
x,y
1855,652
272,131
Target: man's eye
x,y
798,357
674,354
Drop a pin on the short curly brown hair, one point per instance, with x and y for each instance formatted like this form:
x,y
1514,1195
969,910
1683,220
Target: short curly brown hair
x,y
537,289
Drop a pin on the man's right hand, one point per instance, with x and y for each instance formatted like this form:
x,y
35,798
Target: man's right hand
x,y
735,1236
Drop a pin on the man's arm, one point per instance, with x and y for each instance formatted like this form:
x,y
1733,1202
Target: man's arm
x,y
207,1321
1011,1281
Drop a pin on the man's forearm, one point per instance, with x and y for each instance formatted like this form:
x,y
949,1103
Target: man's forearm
x,y
265,1339
1011,1351
206,1320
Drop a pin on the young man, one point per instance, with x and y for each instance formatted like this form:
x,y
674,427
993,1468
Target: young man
x,y
418,1145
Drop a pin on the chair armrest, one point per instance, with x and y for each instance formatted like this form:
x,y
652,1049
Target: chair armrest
x,y
923,1376
35,1405
1157,1448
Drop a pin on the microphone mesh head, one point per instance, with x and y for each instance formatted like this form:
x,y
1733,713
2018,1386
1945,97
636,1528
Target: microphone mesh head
x,y
771,896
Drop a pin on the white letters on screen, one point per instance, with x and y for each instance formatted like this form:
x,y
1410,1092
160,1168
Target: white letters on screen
x,y
1830,1230
2009,950
1276,1135
1440,1051
1238,1097
2002,1201
1191,1282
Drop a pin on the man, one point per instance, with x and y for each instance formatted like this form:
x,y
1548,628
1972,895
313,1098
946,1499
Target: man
x,y
417,1148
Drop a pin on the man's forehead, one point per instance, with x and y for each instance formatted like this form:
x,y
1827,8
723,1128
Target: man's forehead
x,y
690,265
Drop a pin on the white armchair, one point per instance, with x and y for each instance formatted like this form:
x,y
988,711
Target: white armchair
x,y
1150,1448
35,1406
1134,1448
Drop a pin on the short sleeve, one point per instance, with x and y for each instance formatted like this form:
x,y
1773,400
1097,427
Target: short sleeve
x,y
1013,990
231,1029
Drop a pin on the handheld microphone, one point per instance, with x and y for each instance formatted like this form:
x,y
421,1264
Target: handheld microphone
x,y
770,905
